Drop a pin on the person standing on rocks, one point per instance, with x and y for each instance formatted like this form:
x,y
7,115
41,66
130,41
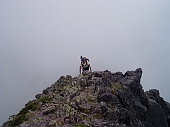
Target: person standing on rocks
x,y
85,65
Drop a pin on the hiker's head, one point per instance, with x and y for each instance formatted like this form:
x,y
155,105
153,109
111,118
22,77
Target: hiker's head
x,y
83,60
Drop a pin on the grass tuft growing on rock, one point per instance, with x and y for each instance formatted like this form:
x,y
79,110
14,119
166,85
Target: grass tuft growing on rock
x,y
21,116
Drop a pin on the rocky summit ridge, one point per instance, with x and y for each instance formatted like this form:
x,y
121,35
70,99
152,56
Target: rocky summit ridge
x,y
97,99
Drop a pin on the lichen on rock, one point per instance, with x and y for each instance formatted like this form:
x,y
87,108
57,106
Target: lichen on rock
x,y
95,99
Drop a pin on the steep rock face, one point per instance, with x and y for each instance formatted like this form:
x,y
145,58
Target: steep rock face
x,y
159,109
97,99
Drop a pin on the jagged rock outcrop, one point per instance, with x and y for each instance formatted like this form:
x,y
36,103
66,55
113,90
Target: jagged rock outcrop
x,y
159,109
97,99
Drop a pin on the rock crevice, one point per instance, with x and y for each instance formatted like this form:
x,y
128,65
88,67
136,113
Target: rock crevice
x,y
97,99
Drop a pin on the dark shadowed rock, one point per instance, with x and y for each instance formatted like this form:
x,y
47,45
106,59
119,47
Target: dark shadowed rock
x,y
117,76
157,115
154,95
105,97
97,99
98,74
168,117
38,96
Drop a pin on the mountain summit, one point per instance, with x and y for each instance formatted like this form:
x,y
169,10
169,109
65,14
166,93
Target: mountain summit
x,y
97,99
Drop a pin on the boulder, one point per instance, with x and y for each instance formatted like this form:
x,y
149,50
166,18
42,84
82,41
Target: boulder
x,y
98,99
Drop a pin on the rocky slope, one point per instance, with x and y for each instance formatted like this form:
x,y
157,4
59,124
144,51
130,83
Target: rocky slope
x,y
97,99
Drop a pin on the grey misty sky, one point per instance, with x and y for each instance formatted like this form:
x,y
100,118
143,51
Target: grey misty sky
x,y
41,40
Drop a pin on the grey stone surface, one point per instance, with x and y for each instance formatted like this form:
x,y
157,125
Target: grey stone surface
x,y
97,99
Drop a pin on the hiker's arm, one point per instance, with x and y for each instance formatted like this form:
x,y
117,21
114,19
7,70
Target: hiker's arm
x,y
80,70
90,68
